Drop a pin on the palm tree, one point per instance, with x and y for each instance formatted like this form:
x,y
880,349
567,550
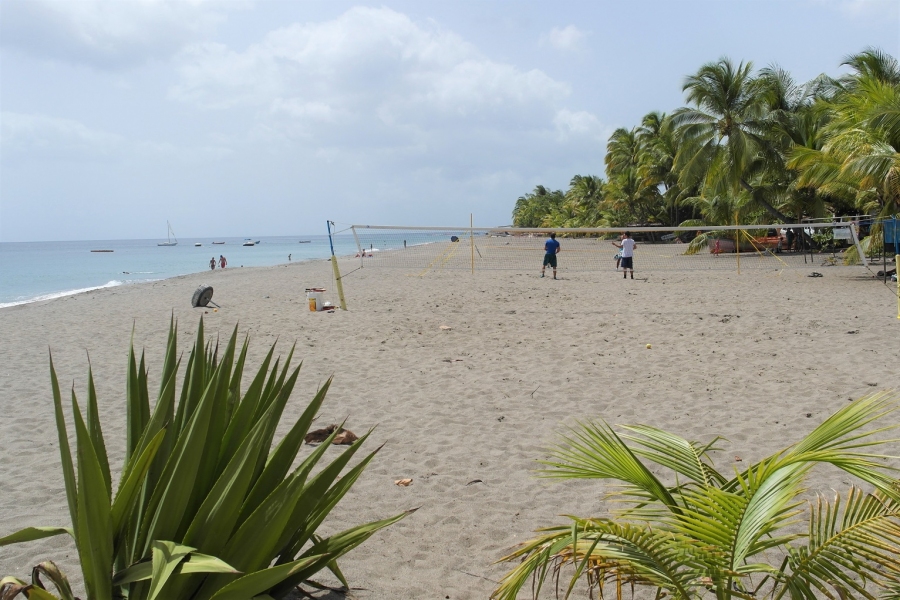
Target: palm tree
x,y
660,142
860,149
872,63
628,190
698,533
588,192
531,209
724,137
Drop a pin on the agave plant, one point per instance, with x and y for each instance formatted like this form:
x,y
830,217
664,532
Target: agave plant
x,y
705,534
205,507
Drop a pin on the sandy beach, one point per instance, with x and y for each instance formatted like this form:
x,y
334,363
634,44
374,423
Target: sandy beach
x,y
759,358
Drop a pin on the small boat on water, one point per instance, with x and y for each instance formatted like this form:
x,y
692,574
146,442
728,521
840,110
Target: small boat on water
x,y
101,251
304,241
248,242
170,235
218,242
198,244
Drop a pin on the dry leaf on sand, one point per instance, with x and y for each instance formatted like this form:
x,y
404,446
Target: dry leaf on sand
x,y
445,328
403,482
344,436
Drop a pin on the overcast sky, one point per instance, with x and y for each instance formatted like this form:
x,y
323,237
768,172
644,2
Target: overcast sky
x,y
253,118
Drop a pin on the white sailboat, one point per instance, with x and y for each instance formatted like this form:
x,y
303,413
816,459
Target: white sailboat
x,y
169,236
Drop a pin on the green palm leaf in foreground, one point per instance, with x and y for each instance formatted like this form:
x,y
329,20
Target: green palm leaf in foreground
x,y
698,533
207,505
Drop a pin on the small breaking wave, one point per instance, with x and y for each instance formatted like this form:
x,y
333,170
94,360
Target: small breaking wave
x,y
54,295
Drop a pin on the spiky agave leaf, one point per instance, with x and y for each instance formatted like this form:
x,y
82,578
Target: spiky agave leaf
x,y
205,470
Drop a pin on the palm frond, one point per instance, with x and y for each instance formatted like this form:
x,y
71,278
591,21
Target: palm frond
x,y
845,551
595,451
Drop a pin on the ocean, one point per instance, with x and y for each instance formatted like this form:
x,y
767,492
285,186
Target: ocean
x,y
33,271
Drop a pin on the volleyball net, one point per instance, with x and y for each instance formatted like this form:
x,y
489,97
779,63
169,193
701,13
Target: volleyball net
x,y
730,248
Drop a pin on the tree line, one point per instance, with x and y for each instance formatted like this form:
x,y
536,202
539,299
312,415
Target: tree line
x,y
750,147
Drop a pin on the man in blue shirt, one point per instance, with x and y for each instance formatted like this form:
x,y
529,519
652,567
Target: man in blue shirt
x,y
551,249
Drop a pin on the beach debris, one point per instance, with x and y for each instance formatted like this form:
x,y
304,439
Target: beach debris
x,y
738,459
202,296
403,482
853,331
475,481
808,415
649,346
445,328
344,436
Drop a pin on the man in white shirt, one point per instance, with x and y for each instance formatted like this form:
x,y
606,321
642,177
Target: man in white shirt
x,y
627,247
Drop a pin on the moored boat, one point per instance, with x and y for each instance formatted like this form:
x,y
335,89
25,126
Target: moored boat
x,y
170,235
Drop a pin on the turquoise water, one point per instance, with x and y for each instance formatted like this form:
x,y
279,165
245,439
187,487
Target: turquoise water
x,y
32,271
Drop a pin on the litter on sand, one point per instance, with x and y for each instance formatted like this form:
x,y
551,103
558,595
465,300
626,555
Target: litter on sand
x,y
344,436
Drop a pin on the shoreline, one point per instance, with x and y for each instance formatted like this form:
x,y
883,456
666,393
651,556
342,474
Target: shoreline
x,y
466,413
39,271
57,295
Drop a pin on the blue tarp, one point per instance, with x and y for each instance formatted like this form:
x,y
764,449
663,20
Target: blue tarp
x,y
892,235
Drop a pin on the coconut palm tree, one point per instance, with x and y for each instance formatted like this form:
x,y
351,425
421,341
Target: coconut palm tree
x,y
724,137
531,209
860,151
587,191
660,142
628,190
696,532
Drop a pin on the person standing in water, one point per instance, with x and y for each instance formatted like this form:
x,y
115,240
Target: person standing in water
x,y
222,262
212,264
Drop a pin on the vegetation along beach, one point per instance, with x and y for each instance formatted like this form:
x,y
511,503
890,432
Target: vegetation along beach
x,y
425,413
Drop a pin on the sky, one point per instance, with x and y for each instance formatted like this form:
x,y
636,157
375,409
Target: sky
x,y
251,118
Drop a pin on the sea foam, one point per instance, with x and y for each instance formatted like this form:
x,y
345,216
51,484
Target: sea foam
x,y
109,284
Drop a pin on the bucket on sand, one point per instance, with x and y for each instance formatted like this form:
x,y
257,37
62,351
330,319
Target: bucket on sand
x,y
316,298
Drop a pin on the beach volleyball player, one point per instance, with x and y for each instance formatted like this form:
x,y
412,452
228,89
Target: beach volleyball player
x,y
627,245
551,249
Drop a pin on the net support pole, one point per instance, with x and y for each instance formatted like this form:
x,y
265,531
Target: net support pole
x,y
737,244
859,250
472,240
359,249
336,270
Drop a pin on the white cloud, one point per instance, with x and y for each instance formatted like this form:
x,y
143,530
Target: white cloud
x,y
567,38
367,69
108,33
862,9
33,135
51,136
577,124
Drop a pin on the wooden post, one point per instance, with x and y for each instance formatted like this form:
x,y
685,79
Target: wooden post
x,y
472,240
